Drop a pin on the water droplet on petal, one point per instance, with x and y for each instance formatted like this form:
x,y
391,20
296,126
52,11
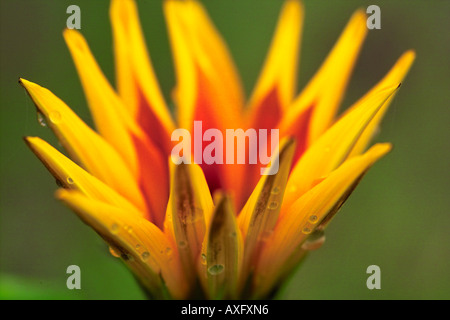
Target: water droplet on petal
x,y
233,234
54,116
114,228
138,247
203,258
41,119
306,230
69,180
273,205
114,252
265,235
276,190
168,251
145,255
127,257
216,269
313,219
128,229
314,241
182,244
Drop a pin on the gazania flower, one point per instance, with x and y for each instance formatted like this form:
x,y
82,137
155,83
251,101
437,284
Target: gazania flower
x,y
214,230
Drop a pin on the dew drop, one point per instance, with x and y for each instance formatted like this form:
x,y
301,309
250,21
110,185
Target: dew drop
x,y
54,116
203,258
114,252
128,229
114,228
265,235
145,255
273,205
216,269
182,244
168,251
306,230
276,190
233,234
41,119
313,219
314,241
138,247
127,257
69,180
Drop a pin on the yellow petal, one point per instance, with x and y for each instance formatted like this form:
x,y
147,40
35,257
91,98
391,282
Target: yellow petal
x,y
259,216
331,149
188,213
71,176
208,87
309,212
207,80
115,123
394,76
112,119
223,257
325,90
85,145
142,245
276,85
137,84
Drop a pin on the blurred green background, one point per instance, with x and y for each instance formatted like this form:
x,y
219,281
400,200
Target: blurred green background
x,y
398,218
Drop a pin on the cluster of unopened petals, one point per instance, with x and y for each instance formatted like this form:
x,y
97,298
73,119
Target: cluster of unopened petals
x,y
224,230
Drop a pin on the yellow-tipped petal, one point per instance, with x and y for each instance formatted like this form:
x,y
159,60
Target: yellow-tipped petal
x,y
207,79
188,213
142,245
395,75
71,176
331,149
112,119
84,144
115,123
223,258
278,76
260,214
310,211
137,84
325,90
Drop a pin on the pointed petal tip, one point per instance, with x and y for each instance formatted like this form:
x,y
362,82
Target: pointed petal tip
x,y
74,39
62,194
411,53
25,83
407,58
296,5
31,141
358,22
382,148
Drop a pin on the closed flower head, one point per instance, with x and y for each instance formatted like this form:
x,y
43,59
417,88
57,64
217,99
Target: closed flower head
x,y
226,209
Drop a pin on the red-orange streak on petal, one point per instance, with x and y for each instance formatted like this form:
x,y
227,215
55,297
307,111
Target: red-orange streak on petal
x,y
300,132
224,176
151,125
204,113
267,115
153,179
